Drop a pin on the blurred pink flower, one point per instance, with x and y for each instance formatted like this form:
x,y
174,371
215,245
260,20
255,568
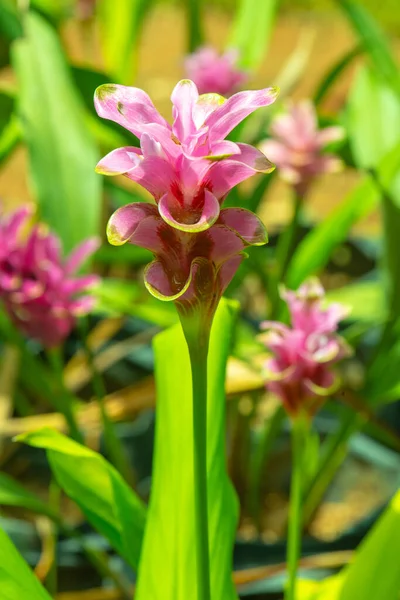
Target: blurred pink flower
x,y
300,372
37,288
213,72
189,168
297,146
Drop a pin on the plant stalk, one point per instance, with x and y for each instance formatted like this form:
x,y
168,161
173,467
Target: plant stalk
x,y
299,426
197,334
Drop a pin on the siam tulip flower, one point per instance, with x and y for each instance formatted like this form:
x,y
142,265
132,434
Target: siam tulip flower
x,y
297,146
213,72
301,370
38,289
189,168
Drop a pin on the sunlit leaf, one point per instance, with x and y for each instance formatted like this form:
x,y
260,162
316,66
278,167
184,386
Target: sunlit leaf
x,y
252,30
334,73
374,42
364,298
119,27
106,500
14,494
61,152
16,579
167,569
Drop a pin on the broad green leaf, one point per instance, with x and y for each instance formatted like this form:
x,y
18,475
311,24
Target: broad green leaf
x,y
365,300
6,110
374,572
313,253
129,298
252,30
374,41
383,381
61,151
167,568
119,28
14,494
105,499
17,581
372,118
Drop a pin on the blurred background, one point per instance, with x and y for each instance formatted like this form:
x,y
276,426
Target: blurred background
x,y
344,57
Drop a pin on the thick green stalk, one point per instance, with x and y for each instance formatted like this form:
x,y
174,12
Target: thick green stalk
x,y
197,334
299,429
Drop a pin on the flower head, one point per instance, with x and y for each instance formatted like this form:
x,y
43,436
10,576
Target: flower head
x,y
213,72
38,289
297,146
300,372
189,168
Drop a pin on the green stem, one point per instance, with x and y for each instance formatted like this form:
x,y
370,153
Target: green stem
x,y
284,250
194,24
197,339
295,508
114,447
263,450
62,397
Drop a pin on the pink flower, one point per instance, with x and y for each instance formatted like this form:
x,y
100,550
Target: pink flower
x,y
301,371
189,168
39,289
297,146
213,72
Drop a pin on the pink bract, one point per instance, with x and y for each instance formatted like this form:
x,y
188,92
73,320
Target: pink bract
x,y
301,370
189,168
297,145
213,72
37,287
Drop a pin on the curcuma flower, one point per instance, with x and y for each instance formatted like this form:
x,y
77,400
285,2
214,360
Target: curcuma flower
x,y
213,72
38,289
189,168
300,371
297,146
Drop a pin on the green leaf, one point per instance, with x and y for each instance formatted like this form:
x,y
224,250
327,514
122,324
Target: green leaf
x,y
365,300
252,30
167,568
10,22
313,253
374,41
334,73
14,494
61,151
374,572
105,499
372,118
16,579
119,28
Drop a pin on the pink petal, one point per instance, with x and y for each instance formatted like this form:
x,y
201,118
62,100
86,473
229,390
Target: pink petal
x,y
330,134
17,219
225,118
187,219
119,161
225,244
125,220
246,224
163,284
184,96
128,106
153,173
205,105
73,286
228,270
151,147
224,175
80,254
277,152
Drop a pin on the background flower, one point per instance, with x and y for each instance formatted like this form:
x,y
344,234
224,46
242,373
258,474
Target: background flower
x,y
297,145
301,371
213,72
37,287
